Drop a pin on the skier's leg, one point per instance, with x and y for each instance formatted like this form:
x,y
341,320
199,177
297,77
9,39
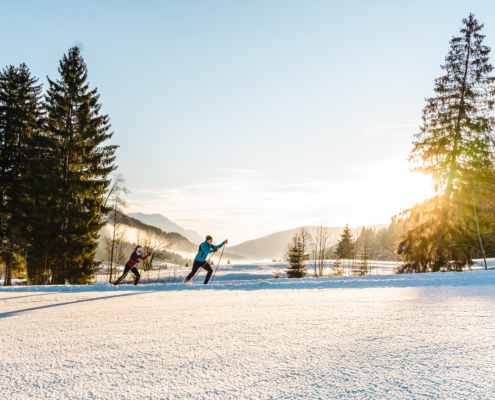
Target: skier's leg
x,y
126,271
209,271
196,265
136,274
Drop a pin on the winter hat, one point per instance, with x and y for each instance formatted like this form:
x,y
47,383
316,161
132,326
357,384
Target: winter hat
x,y
209,238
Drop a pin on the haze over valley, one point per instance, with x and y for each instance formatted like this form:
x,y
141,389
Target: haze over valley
x,y
265,248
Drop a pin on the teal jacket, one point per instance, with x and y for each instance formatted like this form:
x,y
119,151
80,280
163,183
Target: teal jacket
x,y
205,249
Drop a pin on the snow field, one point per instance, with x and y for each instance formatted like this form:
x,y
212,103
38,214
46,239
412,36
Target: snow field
x,y
241,272
438,279
428,341
257,270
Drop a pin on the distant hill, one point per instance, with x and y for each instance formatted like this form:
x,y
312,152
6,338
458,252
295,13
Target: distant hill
x,y
181,244
273,246
166,225
180,252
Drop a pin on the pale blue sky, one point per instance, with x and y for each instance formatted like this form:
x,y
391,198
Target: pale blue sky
x,y
243,118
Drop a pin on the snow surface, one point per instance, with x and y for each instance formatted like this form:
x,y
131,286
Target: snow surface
x,y
372,337
265,270
240,272
467,278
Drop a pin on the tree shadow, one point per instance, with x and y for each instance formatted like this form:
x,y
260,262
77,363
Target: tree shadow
x,y
12,313
22,297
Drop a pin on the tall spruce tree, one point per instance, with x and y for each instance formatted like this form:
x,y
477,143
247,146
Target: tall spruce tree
x,y
454,146
346,246
41,211
82,164
20,121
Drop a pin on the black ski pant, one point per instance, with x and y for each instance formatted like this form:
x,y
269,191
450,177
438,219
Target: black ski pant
x,y
197,265
126,271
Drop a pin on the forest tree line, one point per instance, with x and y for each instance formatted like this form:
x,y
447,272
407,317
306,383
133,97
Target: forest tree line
x,y
358,249
54,173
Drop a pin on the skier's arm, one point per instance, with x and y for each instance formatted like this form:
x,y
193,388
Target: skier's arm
x,y
220,245
144,258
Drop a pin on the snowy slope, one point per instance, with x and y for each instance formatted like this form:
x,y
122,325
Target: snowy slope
x,y
424,339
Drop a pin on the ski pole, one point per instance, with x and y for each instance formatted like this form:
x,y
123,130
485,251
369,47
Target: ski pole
x,y
213,277
121,278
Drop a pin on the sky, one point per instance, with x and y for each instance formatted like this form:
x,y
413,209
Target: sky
x,y
240,119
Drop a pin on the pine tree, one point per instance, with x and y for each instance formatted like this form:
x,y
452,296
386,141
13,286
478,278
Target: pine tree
x,y
277,274
294,255
366,248
41,229
20,121
454,146
77,132
346,246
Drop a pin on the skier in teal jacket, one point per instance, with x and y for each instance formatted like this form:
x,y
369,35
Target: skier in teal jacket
x,y
205,248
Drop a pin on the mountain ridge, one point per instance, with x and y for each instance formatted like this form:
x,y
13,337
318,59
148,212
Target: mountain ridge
x,y
166,225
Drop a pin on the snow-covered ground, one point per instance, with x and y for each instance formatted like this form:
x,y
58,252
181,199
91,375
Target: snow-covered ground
x,y
257,270
376,337
170,273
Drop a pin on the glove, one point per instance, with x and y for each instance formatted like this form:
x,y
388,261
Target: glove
x,y
215,250
225,241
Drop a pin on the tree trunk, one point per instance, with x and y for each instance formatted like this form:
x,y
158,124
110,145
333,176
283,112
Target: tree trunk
x,y
453,164
58,272
8,273
113,244
479,233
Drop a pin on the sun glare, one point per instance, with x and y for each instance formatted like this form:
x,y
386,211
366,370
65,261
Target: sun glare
x,y
418,187
389,194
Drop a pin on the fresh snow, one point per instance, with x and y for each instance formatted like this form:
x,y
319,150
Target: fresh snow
x,y
372,337
470,278
245,272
